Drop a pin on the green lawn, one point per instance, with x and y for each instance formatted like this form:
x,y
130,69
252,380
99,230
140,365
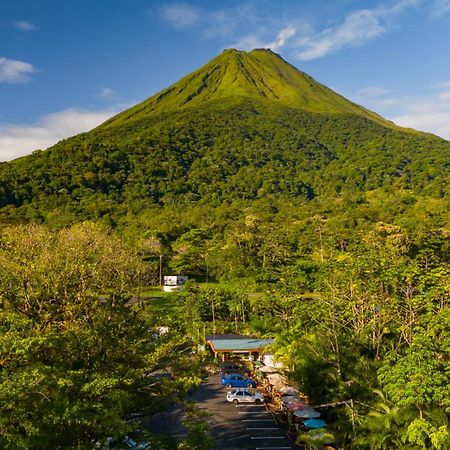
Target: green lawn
x,y
162,303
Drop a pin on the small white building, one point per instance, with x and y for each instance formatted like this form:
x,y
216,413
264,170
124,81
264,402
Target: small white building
x,y
174,282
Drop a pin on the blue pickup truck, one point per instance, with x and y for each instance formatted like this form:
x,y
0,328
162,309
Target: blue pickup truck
x,y
236,380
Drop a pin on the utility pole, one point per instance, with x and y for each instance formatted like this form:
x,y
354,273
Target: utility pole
x,y
160,271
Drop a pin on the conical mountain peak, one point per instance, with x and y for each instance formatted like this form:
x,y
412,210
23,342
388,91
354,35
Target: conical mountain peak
x,y
236,76
247,126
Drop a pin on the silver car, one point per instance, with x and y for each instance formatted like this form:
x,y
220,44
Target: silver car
x,y
244,396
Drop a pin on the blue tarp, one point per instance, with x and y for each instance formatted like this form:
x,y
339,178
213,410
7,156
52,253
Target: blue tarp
x,y
315,423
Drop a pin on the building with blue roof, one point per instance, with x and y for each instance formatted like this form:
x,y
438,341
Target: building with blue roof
x,y
231,344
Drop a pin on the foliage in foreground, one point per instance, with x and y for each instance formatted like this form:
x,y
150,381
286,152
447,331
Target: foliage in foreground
x,y
335,222
71,351
352,311
368,326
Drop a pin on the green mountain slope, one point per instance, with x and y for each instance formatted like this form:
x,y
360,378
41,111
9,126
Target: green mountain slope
x,y
246,126
234,77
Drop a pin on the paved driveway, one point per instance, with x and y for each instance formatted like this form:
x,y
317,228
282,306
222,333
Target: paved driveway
x,y
238,427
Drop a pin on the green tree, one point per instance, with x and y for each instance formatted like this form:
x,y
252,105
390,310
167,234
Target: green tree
x,y
71,351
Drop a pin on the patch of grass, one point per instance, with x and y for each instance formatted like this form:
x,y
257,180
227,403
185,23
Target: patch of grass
x,y
162,304
153,293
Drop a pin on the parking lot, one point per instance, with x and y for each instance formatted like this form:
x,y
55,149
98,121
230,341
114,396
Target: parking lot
x,y
242,426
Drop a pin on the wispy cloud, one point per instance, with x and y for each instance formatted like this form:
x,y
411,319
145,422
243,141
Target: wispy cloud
x,y
247,42
106,92
358,28
21,139
425,116
441,85
445,96
284,34
181,15
14,71
243,27
219,24
430,113
372,91
249,25
439,8
24,25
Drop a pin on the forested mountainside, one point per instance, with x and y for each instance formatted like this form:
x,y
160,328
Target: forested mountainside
x,y
313,220
245,126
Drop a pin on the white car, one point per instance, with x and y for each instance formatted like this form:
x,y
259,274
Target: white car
x,y
244,396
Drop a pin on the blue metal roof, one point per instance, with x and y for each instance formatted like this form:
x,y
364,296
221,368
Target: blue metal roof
x,y
239,344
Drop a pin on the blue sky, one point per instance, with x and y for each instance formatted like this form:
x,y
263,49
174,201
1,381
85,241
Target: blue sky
x,y
66,66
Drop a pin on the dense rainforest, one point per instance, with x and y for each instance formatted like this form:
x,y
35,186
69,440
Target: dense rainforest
x,y
311,220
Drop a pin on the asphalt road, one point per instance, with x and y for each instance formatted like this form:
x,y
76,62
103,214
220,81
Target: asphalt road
x,y
238,427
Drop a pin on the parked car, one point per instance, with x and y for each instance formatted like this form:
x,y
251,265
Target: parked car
x,y
122,444
131,443
235,380
244,396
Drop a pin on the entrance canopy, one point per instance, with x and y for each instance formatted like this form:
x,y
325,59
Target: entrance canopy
x,y
237,344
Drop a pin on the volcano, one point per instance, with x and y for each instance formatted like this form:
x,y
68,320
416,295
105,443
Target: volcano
x,y
245,126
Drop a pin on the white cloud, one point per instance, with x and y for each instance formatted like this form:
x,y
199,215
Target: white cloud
x,y
435,120
180,15
389,102
244,27
439,8
372,91
14,71
251,41
215,24
219,24
441,85
430,113
24,25
248,42
21,139
285,34
106,92
359,27
249,25
444,96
